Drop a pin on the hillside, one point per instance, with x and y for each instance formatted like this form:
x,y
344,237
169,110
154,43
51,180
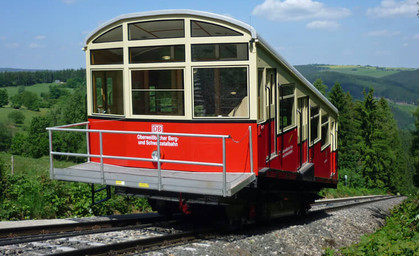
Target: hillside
x,y
396,84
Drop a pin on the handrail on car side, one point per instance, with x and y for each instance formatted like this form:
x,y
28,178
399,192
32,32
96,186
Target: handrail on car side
x,y
158,160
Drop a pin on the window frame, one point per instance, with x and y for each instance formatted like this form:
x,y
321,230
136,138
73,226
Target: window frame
x,y
327,143
291,126
318,137
129,39
193,67
93,93
168,116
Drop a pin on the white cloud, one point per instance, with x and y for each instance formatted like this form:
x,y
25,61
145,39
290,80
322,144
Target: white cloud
x,y
40,37
69,1
383,32
291,10
323,24
12,45
35,46
392,8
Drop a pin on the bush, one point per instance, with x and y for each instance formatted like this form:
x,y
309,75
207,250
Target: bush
x,y
17,117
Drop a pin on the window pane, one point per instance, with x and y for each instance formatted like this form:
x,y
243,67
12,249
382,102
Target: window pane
x,y
202,29
325,118
108,92
107,56
220,92
113,35
286,111
314,128
157,92
157,54
325,134
156,29
211,52
287,89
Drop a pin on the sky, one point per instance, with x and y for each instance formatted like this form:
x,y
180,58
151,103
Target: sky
x,y
50,34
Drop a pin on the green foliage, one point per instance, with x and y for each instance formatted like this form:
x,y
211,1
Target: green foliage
x,y
5,137
399,236
415,148
26,98
25,78
346,191
320,86
4,98
17,116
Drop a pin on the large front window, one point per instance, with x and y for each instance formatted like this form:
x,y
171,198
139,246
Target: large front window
x,y
157,92
108,92
220,92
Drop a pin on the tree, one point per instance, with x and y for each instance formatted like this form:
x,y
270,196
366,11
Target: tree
x,y
415,147
4,98
17,117
5,137
38,141
320,86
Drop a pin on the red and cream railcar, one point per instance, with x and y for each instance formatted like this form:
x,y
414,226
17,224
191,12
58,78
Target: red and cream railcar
x,y
194,105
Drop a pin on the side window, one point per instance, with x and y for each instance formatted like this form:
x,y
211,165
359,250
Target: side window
x,y
314,123
113,35
205,29
325,129
261,88
215,52
106,56
108,92
286,105
157,92
220,92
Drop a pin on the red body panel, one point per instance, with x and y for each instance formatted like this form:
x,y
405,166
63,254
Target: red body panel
x,y
175,147
286,156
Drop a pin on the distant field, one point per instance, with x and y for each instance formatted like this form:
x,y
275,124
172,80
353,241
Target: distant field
x,y
4,112
36,88
376,72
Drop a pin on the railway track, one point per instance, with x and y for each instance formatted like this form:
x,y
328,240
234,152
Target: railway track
x,y
153,234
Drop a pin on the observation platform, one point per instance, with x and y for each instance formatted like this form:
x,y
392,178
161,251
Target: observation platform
x,y
208,183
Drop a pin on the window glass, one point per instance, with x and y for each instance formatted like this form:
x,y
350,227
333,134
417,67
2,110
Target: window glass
x,y
157,92
150,54
286,105
261,88
325,130
113,35
213,52
156,29
106,56
108,92
314,123
203,29
220,92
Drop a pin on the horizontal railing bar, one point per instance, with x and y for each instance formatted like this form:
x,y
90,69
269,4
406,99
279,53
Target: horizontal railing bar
x,y
70,125
139,132
137,159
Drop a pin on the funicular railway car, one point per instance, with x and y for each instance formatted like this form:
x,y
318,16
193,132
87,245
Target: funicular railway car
x,y
191,109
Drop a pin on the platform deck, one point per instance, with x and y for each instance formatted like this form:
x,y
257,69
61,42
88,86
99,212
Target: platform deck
x,y
209,183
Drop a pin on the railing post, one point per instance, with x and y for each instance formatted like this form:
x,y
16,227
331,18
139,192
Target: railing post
x,y
87,142
251,149
224,168
102,171
158,162
51,160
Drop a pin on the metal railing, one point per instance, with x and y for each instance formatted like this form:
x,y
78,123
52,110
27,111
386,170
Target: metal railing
x,y
158,160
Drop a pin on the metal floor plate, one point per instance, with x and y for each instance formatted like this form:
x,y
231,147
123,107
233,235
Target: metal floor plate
x,y
208,183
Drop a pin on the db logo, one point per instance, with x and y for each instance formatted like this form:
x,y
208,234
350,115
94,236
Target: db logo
x,y
157,128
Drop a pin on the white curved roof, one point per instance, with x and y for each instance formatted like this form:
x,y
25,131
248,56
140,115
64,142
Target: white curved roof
x,y
222,18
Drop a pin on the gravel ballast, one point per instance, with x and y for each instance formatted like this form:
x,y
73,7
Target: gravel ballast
x,y
310,236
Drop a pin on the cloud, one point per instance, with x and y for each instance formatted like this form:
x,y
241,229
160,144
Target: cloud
x,y
323,24
40,37
36,46
416,36
69,1
392,8
12,45
292,10
383,32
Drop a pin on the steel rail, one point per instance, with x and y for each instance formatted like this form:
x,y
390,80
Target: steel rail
x,y
330,204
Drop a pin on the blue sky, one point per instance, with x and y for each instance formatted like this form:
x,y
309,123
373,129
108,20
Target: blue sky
x,y
49,34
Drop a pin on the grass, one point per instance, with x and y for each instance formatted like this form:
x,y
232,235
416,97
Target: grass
x,y
36,88
29,114
30,166
371,71
346,191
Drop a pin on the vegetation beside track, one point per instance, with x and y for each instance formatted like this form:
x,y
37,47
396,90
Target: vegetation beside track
x,y
30,194
399,236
